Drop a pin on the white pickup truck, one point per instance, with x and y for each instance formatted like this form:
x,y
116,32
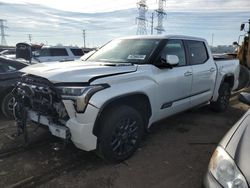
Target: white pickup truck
x,y
107,102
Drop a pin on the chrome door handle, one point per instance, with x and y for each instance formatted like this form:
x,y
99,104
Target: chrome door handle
x,y
212,70
188,73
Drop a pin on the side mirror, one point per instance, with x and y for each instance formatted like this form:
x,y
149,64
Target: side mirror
x,y
244,98
236,43
172,60
242,26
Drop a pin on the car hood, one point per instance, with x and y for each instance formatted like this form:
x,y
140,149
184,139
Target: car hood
x,y
238,146
77,71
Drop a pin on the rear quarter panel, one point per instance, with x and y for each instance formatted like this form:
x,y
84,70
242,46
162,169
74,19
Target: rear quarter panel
x,y
226,68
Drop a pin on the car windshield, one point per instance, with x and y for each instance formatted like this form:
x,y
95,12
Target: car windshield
x,y
126,51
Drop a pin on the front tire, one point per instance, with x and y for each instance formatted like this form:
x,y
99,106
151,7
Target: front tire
x,y
222,102
8,105
121,133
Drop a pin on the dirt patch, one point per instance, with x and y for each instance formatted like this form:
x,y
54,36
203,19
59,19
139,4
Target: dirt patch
x,y
175,153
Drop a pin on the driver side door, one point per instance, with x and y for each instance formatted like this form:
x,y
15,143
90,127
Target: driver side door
x,y
174,84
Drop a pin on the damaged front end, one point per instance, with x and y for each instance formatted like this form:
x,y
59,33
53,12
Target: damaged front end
x,y
37,99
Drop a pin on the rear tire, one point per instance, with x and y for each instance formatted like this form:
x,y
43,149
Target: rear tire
x,y
222,102
121,133
7,106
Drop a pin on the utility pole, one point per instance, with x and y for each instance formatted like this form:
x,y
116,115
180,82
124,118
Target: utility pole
x,y
30,37
3,35
84,37
212,43
141,19
160,14
152,23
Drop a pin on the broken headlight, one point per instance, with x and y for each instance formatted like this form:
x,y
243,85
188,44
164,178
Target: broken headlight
x,y
80,95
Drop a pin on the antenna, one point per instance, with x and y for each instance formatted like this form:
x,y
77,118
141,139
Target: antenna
x,y
160,15
141,19
3,35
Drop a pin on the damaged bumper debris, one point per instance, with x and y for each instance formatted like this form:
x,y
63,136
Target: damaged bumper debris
x,y
36,99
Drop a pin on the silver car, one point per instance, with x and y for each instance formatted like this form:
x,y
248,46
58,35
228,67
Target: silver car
x,y
230,164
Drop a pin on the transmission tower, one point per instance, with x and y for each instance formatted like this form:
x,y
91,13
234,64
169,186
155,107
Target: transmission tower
x,y
141,19
3,35
160,15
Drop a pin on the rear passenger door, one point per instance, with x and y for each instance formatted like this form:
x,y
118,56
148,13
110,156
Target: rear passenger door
x,y
204,72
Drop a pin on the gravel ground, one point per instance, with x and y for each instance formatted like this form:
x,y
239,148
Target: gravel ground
x,y
174,154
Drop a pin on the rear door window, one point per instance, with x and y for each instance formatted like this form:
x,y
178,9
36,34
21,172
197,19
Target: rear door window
x,y
197,52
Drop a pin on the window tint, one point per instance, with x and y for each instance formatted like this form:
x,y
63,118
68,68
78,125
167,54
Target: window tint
x,y
198,53
58,52
77,52
175,47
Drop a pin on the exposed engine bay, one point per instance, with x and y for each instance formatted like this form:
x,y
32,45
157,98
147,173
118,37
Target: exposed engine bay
x,y
37,97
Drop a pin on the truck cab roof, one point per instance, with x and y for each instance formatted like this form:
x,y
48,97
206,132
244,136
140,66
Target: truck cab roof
x,y
184,37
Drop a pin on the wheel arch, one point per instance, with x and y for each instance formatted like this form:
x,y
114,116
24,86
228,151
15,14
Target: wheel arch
x,y
228,78
139,101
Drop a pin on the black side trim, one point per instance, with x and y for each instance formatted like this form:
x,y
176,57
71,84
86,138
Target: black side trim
x,y
169,104
166,105
72,84
115,74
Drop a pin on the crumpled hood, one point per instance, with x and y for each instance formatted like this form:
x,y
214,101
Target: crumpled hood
x,y
76,71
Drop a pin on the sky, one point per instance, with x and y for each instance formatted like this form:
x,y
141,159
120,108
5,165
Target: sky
x,y
111,5
57,21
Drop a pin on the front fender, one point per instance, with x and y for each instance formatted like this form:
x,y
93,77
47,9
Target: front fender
x,y
142,86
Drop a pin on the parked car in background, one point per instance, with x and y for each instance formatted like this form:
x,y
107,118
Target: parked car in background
x,y
9,75
109,100
8,52
230,164
57,53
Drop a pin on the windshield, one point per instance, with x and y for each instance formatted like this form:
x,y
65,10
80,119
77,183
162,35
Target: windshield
x,y
126,51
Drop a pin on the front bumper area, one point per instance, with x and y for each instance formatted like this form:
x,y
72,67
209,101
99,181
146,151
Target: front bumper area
x,y
56,130
39,101
210,181
79,128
